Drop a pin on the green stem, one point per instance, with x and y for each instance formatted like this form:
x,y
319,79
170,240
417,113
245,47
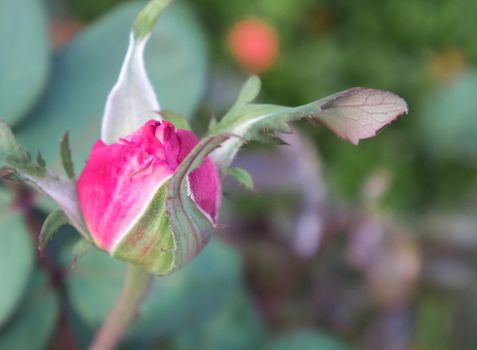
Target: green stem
x,y
135,287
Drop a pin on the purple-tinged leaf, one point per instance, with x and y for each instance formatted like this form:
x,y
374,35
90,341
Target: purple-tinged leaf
x,y
353,114
359,113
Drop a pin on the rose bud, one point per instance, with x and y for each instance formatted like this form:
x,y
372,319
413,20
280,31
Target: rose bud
x,y
123,188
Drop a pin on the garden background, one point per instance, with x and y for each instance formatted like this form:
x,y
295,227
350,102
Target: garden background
x,y
338,247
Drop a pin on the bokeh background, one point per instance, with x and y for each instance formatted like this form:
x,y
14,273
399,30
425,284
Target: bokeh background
x,y
339,247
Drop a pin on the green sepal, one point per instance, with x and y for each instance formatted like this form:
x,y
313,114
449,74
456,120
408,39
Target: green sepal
x,y
179,121
66,159
80,248
172,230
192,229
147,18
242,176
212,123
150,243
12,155
53,222
249,91
40,161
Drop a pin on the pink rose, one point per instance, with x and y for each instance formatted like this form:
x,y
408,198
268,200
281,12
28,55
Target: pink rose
x,y
121,181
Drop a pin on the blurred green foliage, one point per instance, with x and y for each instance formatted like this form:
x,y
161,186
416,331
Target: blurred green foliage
x,y
16,257
307,340
24,62
423,50
35,319
414,48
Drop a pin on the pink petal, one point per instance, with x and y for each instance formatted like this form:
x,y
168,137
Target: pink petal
x,y
116,185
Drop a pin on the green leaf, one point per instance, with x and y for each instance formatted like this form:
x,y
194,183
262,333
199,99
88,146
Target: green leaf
x,y
249,92
24,63
66,160
150,243
62,191
353,114
236,326
179,121
433,328
34,322
16,258
449,125
40,161
147,18
185,300
53,222
212,123
10,151
242,176
85,71
307,340
82,247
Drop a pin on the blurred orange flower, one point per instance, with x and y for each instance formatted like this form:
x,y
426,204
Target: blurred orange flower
x,y
254,44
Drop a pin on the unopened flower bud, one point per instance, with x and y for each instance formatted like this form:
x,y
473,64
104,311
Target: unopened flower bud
x,y
123,188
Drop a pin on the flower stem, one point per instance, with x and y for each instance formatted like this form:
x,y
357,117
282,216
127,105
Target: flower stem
x,y
135,287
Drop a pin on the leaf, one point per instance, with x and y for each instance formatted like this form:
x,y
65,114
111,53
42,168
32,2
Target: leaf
x,y
61,190
448,124
35,320
66,160
24,63
80,248
307,340
184,300
359,113
53,222
12,154
432,328
40,161
242,176
16,259
249,92
353,114
179,121
212,123
87,68
236,326
147,18
9,149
